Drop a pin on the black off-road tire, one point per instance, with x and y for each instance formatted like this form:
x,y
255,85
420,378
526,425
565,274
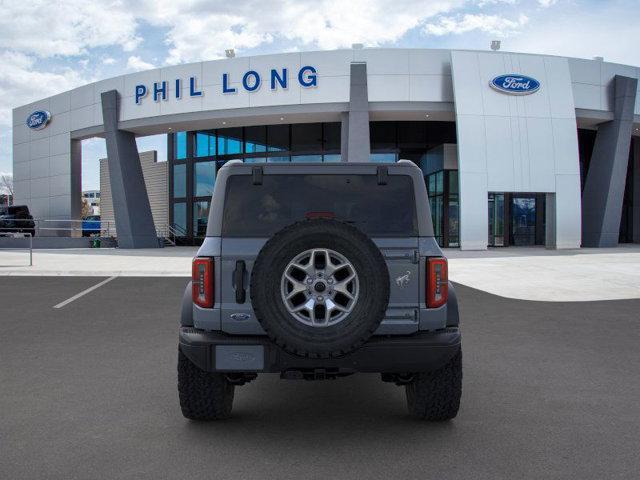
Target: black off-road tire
x,y
435,396
331,341
203,395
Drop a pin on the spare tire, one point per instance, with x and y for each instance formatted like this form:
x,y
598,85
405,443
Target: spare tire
x,y
320,288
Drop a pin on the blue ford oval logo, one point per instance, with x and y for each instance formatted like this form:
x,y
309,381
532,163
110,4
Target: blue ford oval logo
x,y
38,119
515,84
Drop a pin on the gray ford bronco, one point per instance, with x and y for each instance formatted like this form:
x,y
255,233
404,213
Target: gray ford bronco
x,y
317,271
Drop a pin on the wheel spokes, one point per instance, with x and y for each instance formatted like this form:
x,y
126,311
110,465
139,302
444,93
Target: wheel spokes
x,y
319,287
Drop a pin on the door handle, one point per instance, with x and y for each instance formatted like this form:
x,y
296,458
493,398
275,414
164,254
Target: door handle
x,y
238,280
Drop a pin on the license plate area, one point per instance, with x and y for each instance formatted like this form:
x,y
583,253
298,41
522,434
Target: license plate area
x,y
243,358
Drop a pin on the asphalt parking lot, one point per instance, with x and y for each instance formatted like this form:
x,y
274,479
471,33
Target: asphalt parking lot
x,y
550,390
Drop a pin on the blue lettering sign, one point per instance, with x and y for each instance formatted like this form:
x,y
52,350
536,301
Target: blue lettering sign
x,y
157,90
310,80
251,86
275,77
141,92
225,84
515,84
192,88
251,82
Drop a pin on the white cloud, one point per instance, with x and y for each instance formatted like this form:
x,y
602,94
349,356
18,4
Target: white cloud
x,y
108,61
491,24
214,26
587,37
135,63
71,27
547,3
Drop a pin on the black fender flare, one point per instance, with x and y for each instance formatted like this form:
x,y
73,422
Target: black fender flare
x,y
453,317
186,312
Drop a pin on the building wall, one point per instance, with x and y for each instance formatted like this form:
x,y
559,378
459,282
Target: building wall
x,y
402,84
508,143
156,180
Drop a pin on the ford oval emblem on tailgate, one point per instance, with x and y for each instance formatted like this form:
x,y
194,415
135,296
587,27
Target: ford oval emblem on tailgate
x,y
240,316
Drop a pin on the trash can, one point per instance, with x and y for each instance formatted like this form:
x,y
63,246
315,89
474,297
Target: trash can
x,y
95,243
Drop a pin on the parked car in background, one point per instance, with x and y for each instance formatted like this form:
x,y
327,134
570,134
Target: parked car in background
x,y
91,225
17,219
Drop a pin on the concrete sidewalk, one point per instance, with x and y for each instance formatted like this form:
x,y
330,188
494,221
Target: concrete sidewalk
x,y
520,273
155,262
550,275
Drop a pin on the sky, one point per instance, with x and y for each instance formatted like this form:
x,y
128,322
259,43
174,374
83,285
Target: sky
x,y
48,46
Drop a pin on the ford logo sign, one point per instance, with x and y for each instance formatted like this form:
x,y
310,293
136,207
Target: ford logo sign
x,y
515,84
38,119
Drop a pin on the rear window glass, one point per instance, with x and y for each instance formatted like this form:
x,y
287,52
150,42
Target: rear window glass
x,y
262,210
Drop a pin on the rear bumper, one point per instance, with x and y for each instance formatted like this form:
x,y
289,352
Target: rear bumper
x,y
218,352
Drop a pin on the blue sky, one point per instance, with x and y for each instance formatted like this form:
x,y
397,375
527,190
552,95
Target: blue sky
x,y
48,49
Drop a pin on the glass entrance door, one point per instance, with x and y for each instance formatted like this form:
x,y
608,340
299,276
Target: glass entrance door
x,y
496,220
523,220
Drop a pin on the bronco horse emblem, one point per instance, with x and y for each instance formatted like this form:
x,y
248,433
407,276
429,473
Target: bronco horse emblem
x,y
403,280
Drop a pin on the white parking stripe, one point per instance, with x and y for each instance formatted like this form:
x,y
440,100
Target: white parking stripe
x,y
84,292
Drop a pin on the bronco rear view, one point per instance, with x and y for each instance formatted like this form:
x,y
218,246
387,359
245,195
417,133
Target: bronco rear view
x,y
317,271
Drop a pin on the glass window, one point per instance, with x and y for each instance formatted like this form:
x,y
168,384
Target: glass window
x,y
261,210
383,135
277,159
255,139
383,157
229,141
436,213
255,160
278,137
180,145
431,184
306,137
205,144
306,158
412,134
454,222
439,182
179,180
332,132
200,217
453,182
204,177
180,216
333,157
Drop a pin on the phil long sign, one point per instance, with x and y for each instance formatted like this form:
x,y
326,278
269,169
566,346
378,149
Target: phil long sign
x,y
515,84
250,81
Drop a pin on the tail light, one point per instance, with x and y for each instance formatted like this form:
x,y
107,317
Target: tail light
x,y
202,283
437,282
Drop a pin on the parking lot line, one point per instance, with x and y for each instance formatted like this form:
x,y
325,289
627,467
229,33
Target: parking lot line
x,y
84,292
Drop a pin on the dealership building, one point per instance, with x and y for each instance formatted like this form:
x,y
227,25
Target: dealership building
x,y
516,149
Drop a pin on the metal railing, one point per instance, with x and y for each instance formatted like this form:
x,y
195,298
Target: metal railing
x,y
46,227
78,228
20,235
171,232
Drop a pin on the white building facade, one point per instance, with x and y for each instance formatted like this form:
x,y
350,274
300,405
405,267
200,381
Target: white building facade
x,y
516,148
